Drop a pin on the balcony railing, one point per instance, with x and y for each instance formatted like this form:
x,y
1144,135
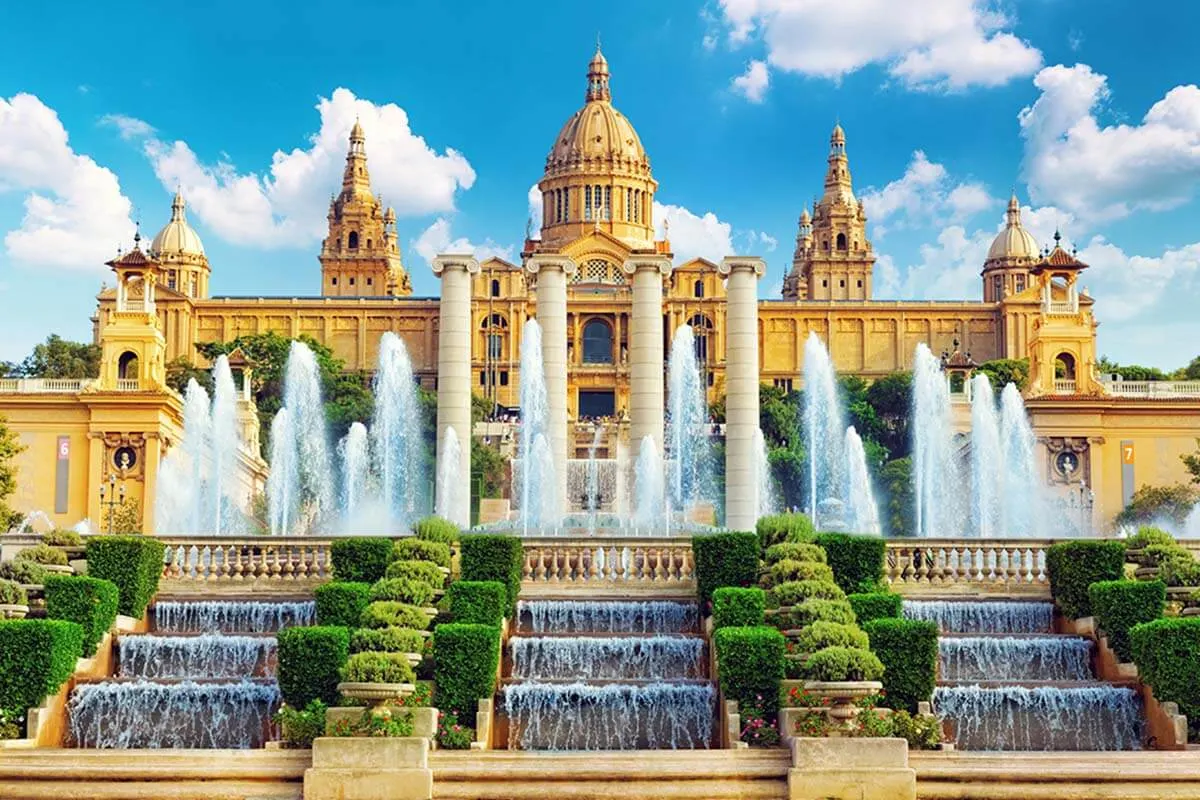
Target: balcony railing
x,y
1062,386
128,384
1153,389
44,385
1061,308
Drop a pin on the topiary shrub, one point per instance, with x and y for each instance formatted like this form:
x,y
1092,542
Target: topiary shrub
x,y
37,656
1180,569
788,570
750,664
403,590
737,607
360,559
814,610
908,650
876,605
43,554
61,537
796,551
424,571
421,550
12,594
89,602
776,528
489,557
1148,535
133,563
793,592
388,613
724,559
820,635
1074,566
1119,605
465,659
437,529
342,603
478,602
376,667
310,661
1167,654
843,664
386,640
25,572
857,561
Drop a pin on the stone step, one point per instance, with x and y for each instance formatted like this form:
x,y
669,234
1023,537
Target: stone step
x,y
1002,684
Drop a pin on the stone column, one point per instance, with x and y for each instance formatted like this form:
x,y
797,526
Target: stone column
x,y
551,273
454,384
647,401
741,390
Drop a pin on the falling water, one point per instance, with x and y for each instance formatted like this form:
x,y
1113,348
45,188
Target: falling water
x,y
1022,501
396,443
352,452
823,425
449,482
1015,658
688,451
966,616
936,474
650,501
862,514
589,616
240,616
987,462
304,493
593,478
537,482
222,506
211,655
768,497
606,658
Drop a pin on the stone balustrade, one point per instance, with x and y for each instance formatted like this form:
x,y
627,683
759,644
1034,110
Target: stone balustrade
x,y
996,566
616,566
244,564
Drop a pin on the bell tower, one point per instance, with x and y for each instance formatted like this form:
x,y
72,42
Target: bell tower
x,y
361,255
133,351
1062,347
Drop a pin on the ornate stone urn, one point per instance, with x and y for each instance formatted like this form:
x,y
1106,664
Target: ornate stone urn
x,y
841,697
377,694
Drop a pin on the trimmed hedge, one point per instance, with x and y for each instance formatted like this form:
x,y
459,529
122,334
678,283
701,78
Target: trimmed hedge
x,y
387,640
776,528
817,610
36,658
465,660
1119,605
378,667
857,561
90,602
797,551
133,563
735,607
342,603
908,650
724,559
421,550
23,572
876,605
793,592
437,529
360,559
478,602
389,613
790,570
1167,654
750,664
43,554
310,662
490,557
843,664
1074,566
404,590
820,635
424,571
1148,535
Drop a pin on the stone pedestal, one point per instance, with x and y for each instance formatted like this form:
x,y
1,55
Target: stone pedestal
x,y
647,398
741,390
454,382
355,768
851,769
551,273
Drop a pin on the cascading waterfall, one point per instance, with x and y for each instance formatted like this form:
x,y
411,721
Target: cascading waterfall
x,y
606,658
688,450
537,479
1022,501
354,456
965,616
449,482
935,470
211,655
1015,658
650,500
579,616
243,616
303,496
987,462
823,426
862,513
396,444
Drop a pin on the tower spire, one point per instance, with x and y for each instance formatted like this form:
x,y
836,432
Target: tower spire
x,y
837,175
356,180
597,88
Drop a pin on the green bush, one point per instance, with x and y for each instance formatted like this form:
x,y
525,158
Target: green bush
x,y
793,592
815,610
1148,535
342,603
12,594
776,528
421,550
787,570
26,572
908,650
1156,554
1074,566
489,557
724,559
1119,605
388,614
90,602
922,732
465,659
437,529
387,640
857,561
876,605
424,571
43,554
478,602
36,658
750,664
736,607
60,537
404,590
1180,569
375,667
133,563
299,727
360,559
1167,654
310,662
843,664
797,551
820,635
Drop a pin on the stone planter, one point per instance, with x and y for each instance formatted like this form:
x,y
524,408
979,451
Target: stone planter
x,y
841,697
13,611
58,569
376,693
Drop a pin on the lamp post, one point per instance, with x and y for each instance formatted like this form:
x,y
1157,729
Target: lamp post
x,y
113,497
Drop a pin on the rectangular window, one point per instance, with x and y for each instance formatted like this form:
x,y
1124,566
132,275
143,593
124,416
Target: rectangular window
x,y
997,287
587,202
504,378
628,203
483,378
494,343
566,205
637,213
607,202
333,281
369,281
1020,283
352,281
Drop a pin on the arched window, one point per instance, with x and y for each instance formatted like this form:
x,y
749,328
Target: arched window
x,y
353,240
702,330
841,241
597,342
495,288
698,289
494,328
127,365
1064,366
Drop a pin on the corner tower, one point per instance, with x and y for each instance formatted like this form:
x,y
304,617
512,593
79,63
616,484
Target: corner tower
x,y
361,255
833,258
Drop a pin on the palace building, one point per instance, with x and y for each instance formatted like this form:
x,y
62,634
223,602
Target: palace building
x,y
598,190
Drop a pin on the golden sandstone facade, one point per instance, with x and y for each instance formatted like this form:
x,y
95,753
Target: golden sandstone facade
x,y
598,191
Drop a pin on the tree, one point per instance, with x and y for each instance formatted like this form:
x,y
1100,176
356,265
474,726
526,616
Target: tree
x,y
891,397
1153,503
895,479
789,467
1191,462
1003,371
1130,372
1192,371
10,448
125,518
487,468
778,416
181,370
481,408
61,358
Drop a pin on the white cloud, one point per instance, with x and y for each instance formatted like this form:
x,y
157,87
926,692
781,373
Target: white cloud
x,y
1127,286
288,206
535,212
129,127
693,236
948,269
75,214
925,196
926,44
753,83
1100,172
437,240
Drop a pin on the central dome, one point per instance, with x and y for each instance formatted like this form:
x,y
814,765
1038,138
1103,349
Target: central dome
x,y
177,237
1014,244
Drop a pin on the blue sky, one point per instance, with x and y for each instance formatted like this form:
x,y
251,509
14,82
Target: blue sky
x,y
1089,112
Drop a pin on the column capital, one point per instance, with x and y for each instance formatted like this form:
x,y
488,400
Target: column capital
x,y
449,262
661,263
730,264
536,264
